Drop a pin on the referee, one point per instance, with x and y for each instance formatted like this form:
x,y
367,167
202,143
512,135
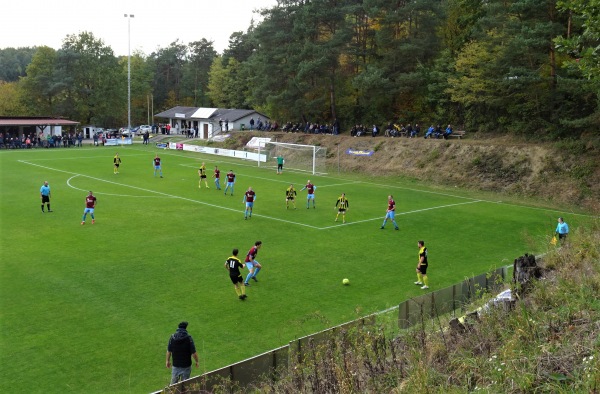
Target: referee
x,y
45,195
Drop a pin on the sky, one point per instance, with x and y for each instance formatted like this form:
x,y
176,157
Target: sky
x,y
155,24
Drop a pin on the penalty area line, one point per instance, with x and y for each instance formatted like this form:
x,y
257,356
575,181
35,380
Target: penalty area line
x,y
401,213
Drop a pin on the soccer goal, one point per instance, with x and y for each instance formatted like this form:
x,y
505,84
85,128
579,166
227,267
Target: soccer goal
x,y
306,158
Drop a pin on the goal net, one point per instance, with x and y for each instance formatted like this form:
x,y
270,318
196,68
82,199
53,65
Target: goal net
x,y
305,158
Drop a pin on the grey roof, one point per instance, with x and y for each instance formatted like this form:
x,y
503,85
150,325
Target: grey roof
x,y
231,115
170,113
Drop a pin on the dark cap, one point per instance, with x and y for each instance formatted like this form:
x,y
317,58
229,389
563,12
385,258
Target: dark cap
x,y
183,325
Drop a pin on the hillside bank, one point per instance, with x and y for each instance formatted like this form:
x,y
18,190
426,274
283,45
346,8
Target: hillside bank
x,y
565,172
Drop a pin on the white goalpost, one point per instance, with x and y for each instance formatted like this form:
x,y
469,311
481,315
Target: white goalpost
x,y
305,158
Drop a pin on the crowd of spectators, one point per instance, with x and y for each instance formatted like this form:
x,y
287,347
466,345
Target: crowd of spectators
x,y
400,130
28,141
390,130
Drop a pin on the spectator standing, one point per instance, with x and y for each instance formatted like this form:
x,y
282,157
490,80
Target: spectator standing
x,y
251,124
45,195
422,267
182,349
562,229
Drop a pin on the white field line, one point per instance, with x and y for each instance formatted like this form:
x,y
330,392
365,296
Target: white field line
x,y
416,190
170,195
401,213
237,163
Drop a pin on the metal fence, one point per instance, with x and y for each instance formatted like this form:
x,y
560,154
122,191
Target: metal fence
x,y
410,312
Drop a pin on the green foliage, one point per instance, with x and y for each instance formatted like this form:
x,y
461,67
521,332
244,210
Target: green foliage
x,y
11,103
14,62
528,67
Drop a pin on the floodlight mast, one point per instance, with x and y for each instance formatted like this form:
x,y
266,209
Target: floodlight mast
x,y
129,16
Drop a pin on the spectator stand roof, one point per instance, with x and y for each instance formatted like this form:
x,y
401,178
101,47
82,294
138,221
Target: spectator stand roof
x,y
187,113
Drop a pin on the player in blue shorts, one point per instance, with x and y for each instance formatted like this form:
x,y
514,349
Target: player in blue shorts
x,y
157,166
390,213
310,189
90,204
230,181
249,198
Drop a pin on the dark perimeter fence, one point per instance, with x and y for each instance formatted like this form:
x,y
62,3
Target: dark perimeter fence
x,y
450,300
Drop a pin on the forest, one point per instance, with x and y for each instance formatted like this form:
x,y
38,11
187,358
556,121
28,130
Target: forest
x,y
525,67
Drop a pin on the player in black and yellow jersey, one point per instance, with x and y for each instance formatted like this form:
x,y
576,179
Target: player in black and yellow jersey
x,y
422,266
233,265
202,174
290,195
117,163
342,206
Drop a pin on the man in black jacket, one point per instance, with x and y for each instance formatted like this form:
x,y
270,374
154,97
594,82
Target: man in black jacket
x,y
181,347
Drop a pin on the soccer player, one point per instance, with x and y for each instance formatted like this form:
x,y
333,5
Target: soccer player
x,y
230,181
157,165
390,213
310,189
233,265
251,263
422,267
202,174
90,204
280,164
342,206
117,163
217,178
249,198
290,195
45,195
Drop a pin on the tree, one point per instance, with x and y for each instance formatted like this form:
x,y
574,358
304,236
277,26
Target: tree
x,y
13,62
95,83
167,65
196,71
11,103
42,88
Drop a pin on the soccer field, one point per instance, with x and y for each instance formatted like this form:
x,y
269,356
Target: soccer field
x,y
90,308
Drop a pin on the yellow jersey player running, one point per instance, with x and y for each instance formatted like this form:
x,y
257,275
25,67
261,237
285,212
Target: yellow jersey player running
x,y
290,195
342,206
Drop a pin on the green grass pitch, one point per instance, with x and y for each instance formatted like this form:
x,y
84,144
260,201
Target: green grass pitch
x,y
90,308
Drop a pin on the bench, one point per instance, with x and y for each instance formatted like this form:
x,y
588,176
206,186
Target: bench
x,y
458,134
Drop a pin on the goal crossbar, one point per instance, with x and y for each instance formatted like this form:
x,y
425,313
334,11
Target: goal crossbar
x,y
313,154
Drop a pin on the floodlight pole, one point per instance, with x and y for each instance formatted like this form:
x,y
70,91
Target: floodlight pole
x,y
129,16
